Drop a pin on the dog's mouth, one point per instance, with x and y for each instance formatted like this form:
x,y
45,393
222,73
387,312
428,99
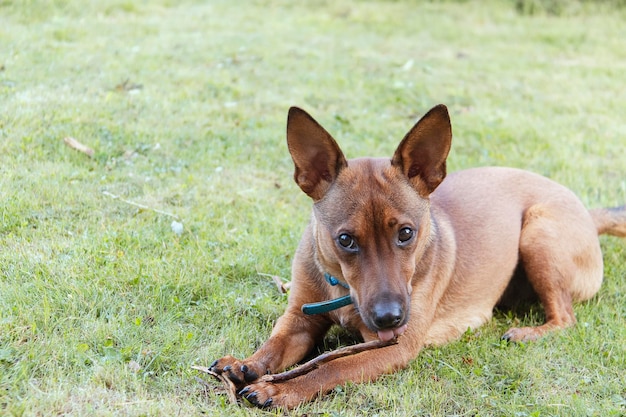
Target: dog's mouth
x,y
388,334
387,316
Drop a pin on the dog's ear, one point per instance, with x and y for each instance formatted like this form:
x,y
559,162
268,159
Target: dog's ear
x,y
422,153
316,155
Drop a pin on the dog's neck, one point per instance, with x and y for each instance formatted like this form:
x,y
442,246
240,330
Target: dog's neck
x,y
335,281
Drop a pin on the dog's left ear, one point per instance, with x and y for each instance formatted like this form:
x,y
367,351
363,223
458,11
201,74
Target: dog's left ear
x,y
316,156
422,153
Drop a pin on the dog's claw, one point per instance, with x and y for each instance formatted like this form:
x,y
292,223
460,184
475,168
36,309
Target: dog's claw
x,y
252,398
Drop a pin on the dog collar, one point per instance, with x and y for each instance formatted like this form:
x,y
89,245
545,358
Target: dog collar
x,y
329,305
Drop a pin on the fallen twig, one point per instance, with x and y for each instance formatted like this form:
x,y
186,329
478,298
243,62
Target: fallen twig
x,y
141,206
74,144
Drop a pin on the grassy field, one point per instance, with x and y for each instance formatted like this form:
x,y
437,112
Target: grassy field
x,y
103,308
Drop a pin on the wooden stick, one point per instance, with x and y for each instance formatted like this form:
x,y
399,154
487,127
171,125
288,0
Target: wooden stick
x,y
233,394
327,357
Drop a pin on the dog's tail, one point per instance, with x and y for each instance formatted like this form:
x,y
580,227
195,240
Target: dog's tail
x,y
610,221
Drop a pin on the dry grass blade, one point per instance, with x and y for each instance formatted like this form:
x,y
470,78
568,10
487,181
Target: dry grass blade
x,y
229,387
283,287
74,144
140,206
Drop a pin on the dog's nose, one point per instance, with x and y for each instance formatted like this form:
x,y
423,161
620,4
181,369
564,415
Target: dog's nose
x,y
387,314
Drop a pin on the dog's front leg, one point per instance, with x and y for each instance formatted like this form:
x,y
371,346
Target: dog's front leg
x,y
361,367
292,338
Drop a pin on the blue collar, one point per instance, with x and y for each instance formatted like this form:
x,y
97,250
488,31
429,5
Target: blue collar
x,y
329,305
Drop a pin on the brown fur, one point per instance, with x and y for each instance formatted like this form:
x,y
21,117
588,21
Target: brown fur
x,y
482,237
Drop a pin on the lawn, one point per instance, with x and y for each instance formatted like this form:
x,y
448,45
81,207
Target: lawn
x,y
104,307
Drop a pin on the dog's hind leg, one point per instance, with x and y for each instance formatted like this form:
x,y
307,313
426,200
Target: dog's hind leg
x,y
560,254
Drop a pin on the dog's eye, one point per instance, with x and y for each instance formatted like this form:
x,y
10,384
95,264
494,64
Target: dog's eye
x,y
405,234
347,242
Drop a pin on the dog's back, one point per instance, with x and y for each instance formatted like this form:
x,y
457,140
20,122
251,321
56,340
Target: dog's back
x,y
502,219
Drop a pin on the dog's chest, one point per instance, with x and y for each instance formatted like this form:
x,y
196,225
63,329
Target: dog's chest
x,y
348,318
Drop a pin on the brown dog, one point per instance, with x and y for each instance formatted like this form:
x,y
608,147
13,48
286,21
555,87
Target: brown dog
x,y
422,259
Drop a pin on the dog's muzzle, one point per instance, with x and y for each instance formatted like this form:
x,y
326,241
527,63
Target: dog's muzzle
x,y
387,314
388,317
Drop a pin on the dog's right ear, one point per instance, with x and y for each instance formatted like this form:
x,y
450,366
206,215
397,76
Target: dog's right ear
x,y
316,155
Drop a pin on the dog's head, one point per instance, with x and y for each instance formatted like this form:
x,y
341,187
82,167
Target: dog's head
x,y
372,216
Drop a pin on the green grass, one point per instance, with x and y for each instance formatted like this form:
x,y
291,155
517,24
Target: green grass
x,y
103,309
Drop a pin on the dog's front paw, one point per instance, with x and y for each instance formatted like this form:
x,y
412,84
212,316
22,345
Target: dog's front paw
x,y
237,371
264,394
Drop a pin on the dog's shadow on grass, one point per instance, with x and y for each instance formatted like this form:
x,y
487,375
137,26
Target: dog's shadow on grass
x,y
336,338
519,303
